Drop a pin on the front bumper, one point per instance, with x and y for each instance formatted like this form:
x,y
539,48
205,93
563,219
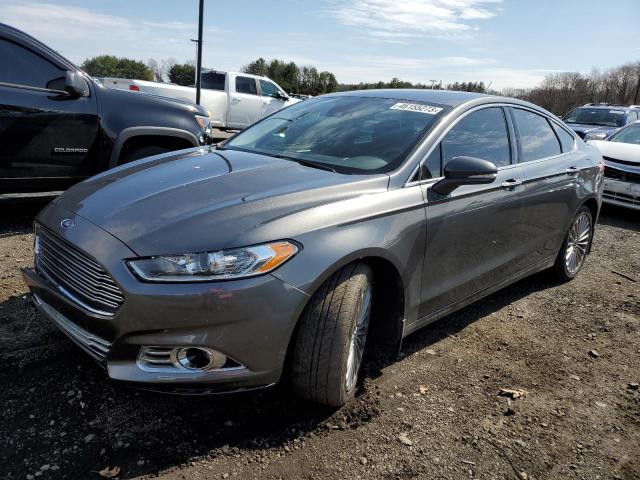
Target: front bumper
x,y
621,193
250,321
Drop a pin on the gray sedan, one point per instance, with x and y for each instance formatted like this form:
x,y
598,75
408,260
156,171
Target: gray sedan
x,y
339,222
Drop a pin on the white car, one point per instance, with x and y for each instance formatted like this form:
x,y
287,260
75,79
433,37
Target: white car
x,y
621,153
234,100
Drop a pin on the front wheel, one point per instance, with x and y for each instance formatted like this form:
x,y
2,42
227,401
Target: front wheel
x,y
331,337
575,247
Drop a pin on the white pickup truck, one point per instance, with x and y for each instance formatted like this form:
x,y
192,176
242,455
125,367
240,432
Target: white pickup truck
x,y
234,100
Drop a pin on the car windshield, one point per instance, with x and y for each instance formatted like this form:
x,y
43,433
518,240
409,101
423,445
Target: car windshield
x,y
630,134
605,117
347,134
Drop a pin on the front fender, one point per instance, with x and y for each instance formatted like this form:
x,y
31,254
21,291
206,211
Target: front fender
x,y
131,132
396,235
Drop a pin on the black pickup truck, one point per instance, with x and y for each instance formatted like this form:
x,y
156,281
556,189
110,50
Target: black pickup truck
x,y
59,126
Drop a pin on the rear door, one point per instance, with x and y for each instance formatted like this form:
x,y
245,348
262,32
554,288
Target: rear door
x,y
552,166
472,233
43,132
245,104
271,97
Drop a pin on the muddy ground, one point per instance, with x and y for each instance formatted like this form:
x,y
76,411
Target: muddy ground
x,y
435,412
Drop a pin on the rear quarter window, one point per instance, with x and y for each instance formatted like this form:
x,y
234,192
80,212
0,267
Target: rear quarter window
x,y
537,139
567,140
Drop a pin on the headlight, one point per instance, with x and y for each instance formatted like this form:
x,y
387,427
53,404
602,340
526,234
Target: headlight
x,y
204,123
595,136
210,266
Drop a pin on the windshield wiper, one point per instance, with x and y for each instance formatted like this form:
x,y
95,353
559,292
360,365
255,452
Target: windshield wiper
x,y
306,163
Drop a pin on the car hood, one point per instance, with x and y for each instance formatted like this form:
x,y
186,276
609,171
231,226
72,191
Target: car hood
x,y
583,129
205,199
146,100
625,152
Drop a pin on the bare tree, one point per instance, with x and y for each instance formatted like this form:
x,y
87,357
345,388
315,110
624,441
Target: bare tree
x,y
560,92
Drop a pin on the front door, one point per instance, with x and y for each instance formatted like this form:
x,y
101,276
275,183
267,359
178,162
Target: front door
x,y
271,97
46,137
245,105
472,233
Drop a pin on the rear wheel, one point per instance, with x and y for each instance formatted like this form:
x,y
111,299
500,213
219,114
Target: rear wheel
x,y
575,247
142,152
331,337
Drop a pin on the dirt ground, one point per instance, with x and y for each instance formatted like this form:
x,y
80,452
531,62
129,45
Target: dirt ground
x,y
435,412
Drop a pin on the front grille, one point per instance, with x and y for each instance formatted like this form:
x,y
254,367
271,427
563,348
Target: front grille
x,y
76,274
622,197
622,162
95,346
619,174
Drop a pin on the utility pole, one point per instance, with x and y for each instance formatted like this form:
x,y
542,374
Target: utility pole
x,y
635,100
199,60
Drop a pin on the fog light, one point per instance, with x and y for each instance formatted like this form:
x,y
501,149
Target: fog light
x,y
200,358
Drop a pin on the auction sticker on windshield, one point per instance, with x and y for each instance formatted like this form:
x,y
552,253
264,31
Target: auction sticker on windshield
x,y
416,107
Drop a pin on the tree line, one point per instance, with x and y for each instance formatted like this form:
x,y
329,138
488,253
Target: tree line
x,y
558,92
293,78
397,83
118,67
561,92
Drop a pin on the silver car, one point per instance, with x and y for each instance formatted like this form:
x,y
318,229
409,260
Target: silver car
x,y
621,153
332,225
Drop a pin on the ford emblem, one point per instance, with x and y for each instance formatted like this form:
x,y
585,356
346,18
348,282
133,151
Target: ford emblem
x,y
67,223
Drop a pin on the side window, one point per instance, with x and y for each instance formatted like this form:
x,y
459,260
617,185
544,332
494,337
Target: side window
x,y
26,67
268,89
246,85
566,139
482,134
432,166
537,139
213,80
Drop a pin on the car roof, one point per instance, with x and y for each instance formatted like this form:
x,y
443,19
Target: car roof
x,y
608,107
441,97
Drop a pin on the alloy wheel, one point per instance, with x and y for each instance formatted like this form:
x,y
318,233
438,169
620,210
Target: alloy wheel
x,y
358,339
577,243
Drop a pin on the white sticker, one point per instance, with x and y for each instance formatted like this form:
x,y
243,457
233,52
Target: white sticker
x,y
416,107
616,111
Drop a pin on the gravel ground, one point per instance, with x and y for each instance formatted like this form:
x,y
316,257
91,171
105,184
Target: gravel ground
x,y
571,351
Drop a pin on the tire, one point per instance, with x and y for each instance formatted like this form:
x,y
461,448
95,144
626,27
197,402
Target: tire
x,y
142,152
331,337
575,246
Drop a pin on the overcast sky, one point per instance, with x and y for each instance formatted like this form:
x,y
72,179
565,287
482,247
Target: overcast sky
x,y
511,43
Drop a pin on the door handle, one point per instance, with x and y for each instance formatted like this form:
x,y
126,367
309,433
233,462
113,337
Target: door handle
x,y
572,170
235,100
511,183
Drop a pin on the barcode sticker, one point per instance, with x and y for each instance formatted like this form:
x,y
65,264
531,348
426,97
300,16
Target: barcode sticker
x,y
416,107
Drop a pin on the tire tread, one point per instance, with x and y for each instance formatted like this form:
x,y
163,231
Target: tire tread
x,y
323,334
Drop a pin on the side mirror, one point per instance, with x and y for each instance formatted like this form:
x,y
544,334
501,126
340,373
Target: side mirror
x,y
282,96
465,171
75,85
